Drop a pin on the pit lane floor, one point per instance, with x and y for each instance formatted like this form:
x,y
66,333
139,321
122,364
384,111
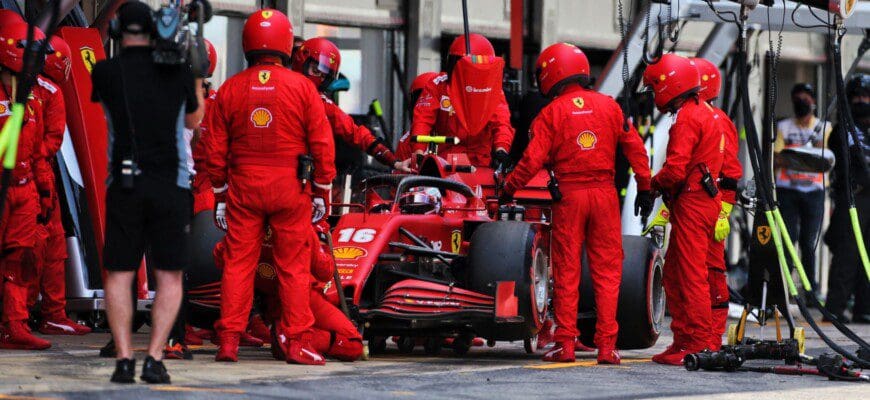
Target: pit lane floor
x,y
71,369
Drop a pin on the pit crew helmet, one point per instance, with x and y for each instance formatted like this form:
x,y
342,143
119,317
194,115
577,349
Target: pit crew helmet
x,y
58,60
13,42
711,79
670,79
268,32
318,59
559,65
480,46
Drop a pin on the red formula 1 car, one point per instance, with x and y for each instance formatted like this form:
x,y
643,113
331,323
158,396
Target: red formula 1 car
x,y
431,257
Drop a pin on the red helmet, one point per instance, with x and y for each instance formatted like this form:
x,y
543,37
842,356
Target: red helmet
x,y
480,46
560,64
711,79
58,61
212,57
318,59
422,80
268,31
9,17
671,78
13,40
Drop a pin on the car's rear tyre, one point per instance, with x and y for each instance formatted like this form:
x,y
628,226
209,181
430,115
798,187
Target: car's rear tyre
x,y
406,344
203,277
511,251
432,345
641,305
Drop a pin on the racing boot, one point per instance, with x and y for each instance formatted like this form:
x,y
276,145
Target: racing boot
x,y
608,357
300,351
673,348
196,336
61,325
258,329
16,335
562,351
345,349
228,349
176,351
674,358
245,340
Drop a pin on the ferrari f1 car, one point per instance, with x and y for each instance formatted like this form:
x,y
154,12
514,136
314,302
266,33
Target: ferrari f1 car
x,y
431,257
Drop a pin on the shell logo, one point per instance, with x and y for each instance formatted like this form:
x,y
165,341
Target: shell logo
x,y
267,14
705,77
266,271
3,108
261,117
666,214
446,104
348,253
579,102
587,140
662,77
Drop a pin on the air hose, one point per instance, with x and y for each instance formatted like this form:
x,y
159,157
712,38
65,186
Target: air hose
x,y
771,213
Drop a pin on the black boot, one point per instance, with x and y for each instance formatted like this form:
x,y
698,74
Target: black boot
x,y
125,371
154,371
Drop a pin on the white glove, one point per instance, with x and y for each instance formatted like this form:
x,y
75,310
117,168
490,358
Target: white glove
x,y
220,207
319,206
220,216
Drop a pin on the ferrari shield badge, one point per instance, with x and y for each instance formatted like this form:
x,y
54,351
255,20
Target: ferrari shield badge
x,y
763,234
88,57
456,241
264,76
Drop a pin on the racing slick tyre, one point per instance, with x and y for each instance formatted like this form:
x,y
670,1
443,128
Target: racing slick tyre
x,y
432,345
641,306
511,251
462,344
406,344
377,345
530,345
202,279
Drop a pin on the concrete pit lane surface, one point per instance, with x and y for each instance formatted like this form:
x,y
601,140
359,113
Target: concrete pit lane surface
x,y
71,369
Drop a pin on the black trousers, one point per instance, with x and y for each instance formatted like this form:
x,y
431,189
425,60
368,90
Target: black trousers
x,y
847,276
802,213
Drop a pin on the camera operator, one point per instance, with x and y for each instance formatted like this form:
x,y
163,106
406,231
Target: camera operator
x,y
148,199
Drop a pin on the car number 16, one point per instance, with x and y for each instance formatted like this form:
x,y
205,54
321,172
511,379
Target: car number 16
x,y
364,235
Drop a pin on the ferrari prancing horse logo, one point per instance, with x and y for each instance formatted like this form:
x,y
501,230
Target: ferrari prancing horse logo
x,y
264,76
763,234
579,102
88,57
456,241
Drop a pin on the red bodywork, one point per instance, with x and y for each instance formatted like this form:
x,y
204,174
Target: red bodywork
x,y
364,234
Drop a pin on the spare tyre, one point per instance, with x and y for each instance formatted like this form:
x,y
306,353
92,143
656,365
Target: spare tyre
x,y
202,278
511,251
641,306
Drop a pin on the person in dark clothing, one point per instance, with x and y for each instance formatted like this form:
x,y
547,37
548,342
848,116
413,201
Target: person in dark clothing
x,y
847,276
148,198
